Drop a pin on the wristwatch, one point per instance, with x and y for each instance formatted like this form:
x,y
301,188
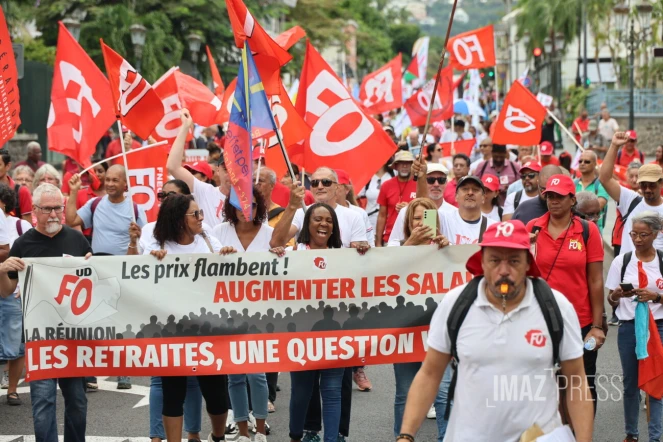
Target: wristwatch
x,y
658,299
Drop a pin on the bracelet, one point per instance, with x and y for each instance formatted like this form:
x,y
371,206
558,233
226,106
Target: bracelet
x,y
610,298
406,436
596,326
132,247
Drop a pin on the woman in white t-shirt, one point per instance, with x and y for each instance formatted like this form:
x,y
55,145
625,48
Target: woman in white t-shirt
x,y
178,230
247,236
642,271
490,207
11,313
320,230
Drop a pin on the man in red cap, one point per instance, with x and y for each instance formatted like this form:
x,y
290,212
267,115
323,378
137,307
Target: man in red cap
x,y
629,152
503,335
201,170
529,177
546,149
569,253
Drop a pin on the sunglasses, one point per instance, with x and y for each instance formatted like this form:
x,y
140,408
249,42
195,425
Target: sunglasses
x,y
584,162
162,195
198,214
325,182
531,176
440,179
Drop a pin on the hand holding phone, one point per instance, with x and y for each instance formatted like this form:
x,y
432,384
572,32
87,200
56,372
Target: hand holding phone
x,y
626,287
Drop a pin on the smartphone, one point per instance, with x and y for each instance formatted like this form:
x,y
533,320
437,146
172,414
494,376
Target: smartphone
x,y
626,286
430,220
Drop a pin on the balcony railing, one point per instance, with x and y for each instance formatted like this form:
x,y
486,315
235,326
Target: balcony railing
x,y
647,102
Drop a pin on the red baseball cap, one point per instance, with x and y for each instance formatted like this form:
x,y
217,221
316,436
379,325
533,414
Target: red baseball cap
x,y
546,148
632,135
531,165
508,234
343,177
491,182
561,185
200,167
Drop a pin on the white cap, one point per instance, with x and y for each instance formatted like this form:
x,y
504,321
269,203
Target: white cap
x,y
436,167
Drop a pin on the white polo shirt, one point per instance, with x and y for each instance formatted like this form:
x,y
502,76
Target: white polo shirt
x,y
505,372
397,234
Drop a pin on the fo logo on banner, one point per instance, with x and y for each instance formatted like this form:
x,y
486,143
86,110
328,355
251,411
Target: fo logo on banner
x,y
536,338
320,263
517,121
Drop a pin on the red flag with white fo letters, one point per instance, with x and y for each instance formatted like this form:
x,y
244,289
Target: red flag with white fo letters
x,y
381,91
473,49
520,119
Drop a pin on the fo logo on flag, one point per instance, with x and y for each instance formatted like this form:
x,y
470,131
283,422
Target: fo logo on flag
x,y
518,121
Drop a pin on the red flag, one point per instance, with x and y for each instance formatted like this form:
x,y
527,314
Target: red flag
x,y
147,173
204,106
288,38
463,146
227,103
520,119
136,103
473,49
10,115
343,136
417,105
81,103
650,369
267,54
169,126
292,126
216,77
381,91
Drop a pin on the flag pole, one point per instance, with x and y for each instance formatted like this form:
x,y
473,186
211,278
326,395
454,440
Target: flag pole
x,y
566,131
149,146
285,156
437,77
126,166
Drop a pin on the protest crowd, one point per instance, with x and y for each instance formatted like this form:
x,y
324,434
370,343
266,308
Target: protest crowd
x,y
535,302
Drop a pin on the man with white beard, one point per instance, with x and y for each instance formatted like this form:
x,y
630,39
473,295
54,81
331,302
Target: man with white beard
x,y
49,238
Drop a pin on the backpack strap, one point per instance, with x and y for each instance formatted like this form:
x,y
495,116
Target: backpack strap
x,y
276,211
637,200
456,317
585,230
93,207
551,313
627,259
483,168
135,211
482,229
515,174
516,199
207,241
619,156
19,227
500,211
17,209
642,157
659,253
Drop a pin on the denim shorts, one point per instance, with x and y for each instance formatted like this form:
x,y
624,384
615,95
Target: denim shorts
x,y
11,318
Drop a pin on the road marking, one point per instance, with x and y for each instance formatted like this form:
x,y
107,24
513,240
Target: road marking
x,y
104,385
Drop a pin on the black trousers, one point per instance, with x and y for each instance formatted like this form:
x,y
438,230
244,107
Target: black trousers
x,y
272,380
314,413
212,388
589,358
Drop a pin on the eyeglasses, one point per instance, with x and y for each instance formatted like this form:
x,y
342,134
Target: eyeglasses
x,y
48,210
584,162
198,214
162,195
642,235
531,176
325,182
589,216
440,179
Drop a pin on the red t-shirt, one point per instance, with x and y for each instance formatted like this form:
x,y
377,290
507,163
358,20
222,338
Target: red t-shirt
x,y
582,124
624,158
391,193
569,270
450,192
553,160
24,198
83,196
115,148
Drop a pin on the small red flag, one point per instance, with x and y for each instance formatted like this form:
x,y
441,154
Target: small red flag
x,y
473,49
216,77
463,146
381,91
10,118
136,103
288,38
417,105
520,119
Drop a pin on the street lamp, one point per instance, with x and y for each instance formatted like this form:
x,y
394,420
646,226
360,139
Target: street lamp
x,y
73,26
194,41
138,34
625,18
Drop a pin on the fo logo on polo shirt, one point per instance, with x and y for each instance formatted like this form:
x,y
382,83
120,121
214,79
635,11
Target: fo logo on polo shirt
x,y
536,338
574,244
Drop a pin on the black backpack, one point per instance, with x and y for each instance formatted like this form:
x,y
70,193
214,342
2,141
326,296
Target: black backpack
x,y
629,255
549,308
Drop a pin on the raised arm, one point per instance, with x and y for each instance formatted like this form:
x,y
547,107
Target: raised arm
x,y
605,174
71,216
419,169
284,230
174,163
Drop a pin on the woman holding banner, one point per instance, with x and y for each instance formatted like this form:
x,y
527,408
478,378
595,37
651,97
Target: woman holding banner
x,y
247,236
179,229
417,234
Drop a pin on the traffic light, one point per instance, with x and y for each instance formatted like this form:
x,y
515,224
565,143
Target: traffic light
x,y
491,73
536,52
588,81
481,75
